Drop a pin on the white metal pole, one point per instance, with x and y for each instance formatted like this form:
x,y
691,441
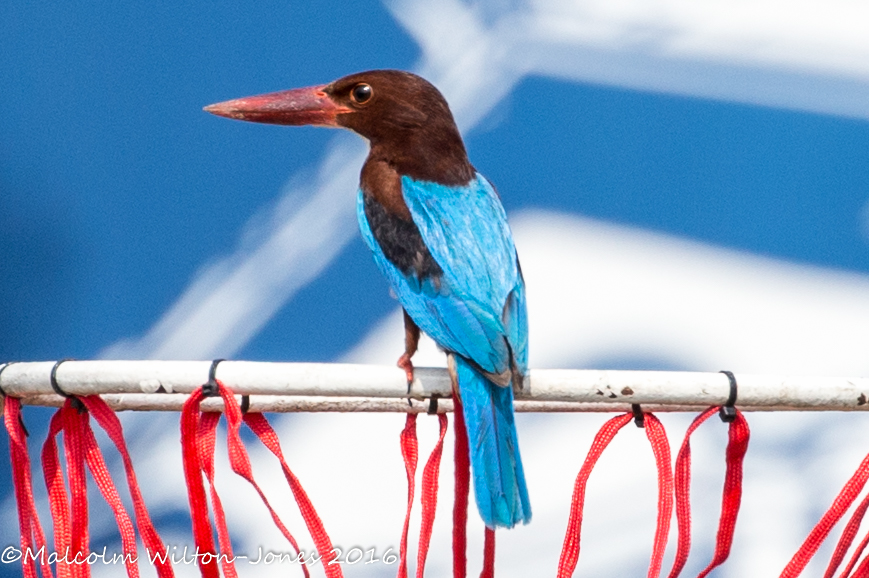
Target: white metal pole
x,y
343,387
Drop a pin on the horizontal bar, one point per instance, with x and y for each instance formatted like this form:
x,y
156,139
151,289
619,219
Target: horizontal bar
x,y
604,388
287,404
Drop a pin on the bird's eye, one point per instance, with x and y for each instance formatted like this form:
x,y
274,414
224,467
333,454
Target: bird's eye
x,y
361,93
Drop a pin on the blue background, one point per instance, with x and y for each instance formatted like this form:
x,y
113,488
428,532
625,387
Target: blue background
x,y
115,187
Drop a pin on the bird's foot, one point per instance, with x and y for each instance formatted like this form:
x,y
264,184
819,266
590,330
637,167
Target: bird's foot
x,y
406,364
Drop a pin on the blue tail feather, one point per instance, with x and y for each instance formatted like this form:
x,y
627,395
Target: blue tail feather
x,y
499,481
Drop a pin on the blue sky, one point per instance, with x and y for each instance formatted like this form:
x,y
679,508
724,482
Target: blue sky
x,y
722,147
117,189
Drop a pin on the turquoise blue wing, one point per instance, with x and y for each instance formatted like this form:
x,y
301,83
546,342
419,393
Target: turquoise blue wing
x,y
476,308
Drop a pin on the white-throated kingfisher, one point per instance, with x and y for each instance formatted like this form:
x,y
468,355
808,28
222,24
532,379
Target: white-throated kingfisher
x,y
440,236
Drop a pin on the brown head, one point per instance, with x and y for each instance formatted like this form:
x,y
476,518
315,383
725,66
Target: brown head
x,y
404,117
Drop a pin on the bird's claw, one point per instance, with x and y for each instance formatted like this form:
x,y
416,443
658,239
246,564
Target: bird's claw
x,y
406,364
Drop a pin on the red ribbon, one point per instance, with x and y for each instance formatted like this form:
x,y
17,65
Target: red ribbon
x,y
460,504
429,490
198,437
737,445
28,518
660,447
70,513
462,491
819,533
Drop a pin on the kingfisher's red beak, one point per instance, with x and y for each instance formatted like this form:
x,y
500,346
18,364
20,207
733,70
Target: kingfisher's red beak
x,y
299,106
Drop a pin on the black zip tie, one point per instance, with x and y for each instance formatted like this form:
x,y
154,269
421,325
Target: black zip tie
x,y
2,369
54,384
433,404
76,402
245,404
210,389
639,416
727,412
